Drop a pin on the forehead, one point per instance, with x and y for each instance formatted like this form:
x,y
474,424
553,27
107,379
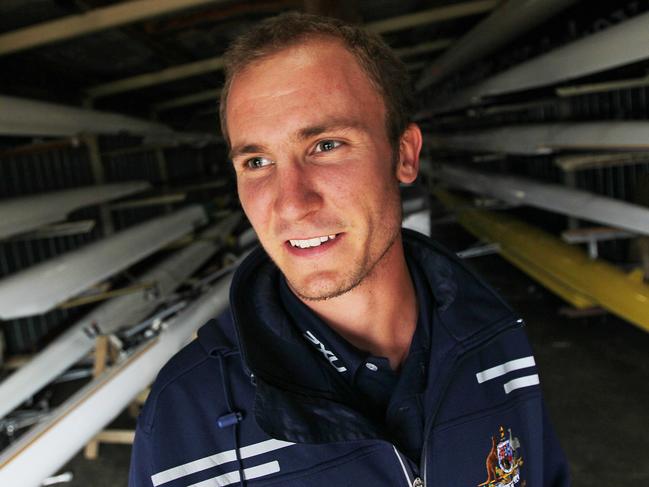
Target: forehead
x,y
301,85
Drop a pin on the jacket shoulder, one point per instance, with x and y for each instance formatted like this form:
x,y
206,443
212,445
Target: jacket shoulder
x,y
188,365
467,306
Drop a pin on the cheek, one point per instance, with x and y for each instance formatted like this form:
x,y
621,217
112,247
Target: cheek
x,y
254,202
370,183
366,196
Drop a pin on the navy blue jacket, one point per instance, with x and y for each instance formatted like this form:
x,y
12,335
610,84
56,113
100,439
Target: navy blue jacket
x,y
250,403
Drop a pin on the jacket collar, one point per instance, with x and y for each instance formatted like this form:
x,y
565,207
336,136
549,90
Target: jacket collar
x,y
296,396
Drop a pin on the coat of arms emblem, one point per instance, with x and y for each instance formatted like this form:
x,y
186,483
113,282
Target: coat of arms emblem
x,y
503,461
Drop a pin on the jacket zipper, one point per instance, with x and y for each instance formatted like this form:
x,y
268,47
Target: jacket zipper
x,y
411,480
431,420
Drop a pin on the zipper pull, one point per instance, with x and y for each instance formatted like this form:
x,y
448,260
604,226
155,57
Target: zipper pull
x,y
417,482
229,419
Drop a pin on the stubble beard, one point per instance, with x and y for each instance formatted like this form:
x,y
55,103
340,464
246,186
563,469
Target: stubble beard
x,y
361,271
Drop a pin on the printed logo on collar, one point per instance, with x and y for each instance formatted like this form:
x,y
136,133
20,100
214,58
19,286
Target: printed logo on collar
x,y
329,355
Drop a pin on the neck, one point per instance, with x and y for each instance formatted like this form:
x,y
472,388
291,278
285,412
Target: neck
x,y
379,315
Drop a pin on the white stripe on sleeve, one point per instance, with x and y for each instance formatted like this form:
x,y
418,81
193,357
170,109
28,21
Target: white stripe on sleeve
x,y
217,459
234,476
526,381
499,370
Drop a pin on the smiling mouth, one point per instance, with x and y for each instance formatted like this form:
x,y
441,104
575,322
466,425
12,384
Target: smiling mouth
x,y
311,242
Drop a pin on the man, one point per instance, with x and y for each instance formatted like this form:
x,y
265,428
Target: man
x,y
353,353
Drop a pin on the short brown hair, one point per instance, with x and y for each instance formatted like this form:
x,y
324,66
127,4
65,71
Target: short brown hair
x,y
384,69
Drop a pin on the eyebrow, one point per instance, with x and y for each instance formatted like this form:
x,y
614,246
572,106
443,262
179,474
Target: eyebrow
x,y
302,134
245,149
314,130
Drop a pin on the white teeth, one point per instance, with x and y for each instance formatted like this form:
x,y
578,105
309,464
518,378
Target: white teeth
x,y
311,242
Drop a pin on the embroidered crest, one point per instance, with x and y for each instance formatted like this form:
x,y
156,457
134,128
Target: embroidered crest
x,y
504,461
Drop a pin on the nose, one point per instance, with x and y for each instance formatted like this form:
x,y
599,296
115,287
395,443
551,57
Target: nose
x,y
296,195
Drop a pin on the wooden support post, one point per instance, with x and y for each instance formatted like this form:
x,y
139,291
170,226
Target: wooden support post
x,y
162,165
101,354
122,437
163,172
134,407
641,197
98,173
104,352
16,361
570,180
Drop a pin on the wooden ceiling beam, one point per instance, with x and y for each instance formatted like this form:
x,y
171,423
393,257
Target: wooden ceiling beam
x,y
92,21
216,63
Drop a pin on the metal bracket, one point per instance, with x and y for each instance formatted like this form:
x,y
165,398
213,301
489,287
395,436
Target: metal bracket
x,y
592,235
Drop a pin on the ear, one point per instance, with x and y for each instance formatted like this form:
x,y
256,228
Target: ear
x,y
409,148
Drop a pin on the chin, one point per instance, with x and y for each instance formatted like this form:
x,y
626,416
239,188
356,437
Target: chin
x,y
321,288
313,288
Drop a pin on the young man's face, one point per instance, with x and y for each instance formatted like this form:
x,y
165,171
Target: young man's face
x,y
315,171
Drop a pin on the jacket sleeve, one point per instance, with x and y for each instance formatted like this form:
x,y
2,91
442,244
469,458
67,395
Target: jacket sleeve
x,y
555,464
141,460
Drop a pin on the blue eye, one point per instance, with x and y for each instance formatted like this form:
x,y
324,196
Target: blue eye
x,y
327,145
257,162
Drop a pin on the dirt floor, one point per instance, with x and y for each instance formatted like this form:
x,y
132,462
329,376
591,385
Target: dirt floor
x,y
594,371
